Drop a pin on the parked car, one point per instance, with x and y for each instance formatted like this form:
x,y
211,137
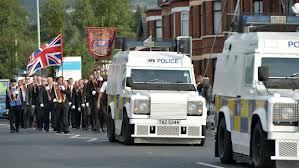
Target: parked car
x,y
3,111
3,98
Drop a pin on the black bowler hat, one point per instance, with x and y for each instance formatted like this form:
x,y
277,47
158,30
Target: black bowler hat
x,y
13,80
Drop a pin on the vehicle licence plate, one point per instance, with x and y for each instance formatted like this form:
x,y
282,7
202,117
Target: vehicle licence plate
x,y
169,122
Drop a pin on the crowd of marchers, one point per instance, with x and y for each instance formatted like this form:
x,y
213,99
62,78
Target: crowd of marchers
x,y
42,103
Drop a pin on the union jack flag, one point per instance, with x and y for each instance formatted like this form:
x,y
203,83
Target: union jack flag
x,y
49,54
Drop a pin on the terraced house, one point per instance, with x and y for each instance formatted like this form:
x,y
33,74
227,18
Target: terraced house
x,y
210,22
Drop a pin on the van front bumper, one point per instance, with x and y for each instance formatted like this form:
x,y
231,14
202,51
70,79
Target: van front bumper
x,y
286,145
150,131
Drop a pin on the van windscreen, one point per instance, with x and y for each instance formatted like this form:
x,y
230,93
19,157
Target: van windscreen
x,y
160,76
152,79
281,67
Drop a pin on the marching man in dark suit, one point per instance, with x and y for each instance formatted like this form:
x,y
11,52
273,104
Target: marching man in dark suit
x,y
61,100
46,96
71,110
77,96
94,87
83,102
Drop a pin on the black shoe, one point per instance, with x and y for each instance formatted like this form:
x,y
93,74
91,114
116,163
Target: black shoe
x,y
12,131
58,132
66,132
17,130
46,130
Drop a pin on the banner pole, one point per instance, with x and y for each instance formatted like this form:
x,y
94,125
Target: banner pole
x,y
61,54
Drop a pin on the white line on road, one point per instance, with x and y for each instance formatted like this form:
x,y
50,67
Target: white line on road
x,y
75,136
4,125
208,165
93,139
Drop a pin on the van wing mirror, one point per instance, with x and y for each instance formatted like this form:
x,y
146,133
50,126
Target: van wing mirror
x,y
129,82
263,73
206,82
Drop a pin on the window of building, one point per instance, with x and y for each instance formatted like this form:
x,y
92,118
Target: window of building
x,y
185,24
217,17
257,6
158,28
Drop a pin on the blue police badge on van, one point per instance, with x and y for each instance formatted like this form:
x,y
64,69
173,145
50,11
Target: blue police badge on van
x,y
293,44
164,61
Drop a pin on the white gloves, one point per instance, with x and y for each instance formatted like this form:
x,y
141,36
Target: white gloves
x,y
79,109
87,104
70,103
295,8
73,107
47,88
83,105
42,105
62,87
54,100
94,92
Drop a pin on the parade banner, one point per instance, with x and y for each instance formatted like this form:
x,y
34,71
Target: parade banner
x,y
100,41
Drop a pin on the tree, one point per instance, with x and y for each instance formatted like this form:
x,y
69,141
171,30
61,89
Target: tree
x,y
114,13
13,27
137,16
53,13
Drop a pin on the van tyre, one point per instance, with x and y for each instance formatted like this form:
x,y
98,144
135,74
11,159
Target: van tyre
x,y
110,128
224,143
261,148
127,131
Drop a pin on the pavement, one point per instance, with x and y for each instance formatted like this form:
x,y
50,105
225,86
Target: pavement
x,y
31,148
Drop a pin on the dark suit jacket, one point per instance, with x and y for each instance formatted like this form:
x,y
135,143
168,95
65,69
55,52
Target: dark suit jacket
x,y
43,96
33,95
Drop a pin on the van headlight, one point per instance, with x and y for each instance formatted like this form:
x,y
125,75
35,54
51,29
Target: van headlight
x,y
142,107
194,108
285,113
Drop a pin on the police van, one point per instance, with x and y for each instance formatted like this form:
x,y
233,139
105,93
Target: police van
x,y
256,91
152,98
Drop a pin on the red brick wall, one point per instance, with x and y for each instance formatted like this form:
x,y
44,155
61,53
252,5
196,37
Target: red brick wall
x,y
166,22
209,17
151,30
195,22
196,47
153,13
177,24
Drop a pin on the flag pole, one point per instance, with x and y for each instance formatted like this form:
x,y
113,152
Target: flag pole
x,y
38,23
61,54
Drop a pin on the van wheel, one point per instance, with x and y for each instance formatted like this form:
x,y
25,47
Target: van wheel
x,y
127,131
224,143
110,128
261,148
202,142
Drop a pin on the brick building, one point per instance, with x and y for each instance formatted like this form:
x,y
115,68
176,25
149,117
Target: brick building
x,y
209,22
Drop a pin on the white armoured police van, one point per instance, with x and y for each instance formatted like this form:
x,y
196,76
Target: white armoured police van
x,y
152,98
256,91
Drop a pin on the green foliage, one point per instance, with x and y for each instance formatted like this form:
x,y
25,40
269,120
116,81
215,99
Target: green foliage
x,y
54,19
12,37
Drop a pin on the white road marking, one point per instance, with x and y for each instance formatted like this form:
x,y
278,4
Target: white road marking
x,y
93,139
62,134
90,139
75,136
208,165
4,125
